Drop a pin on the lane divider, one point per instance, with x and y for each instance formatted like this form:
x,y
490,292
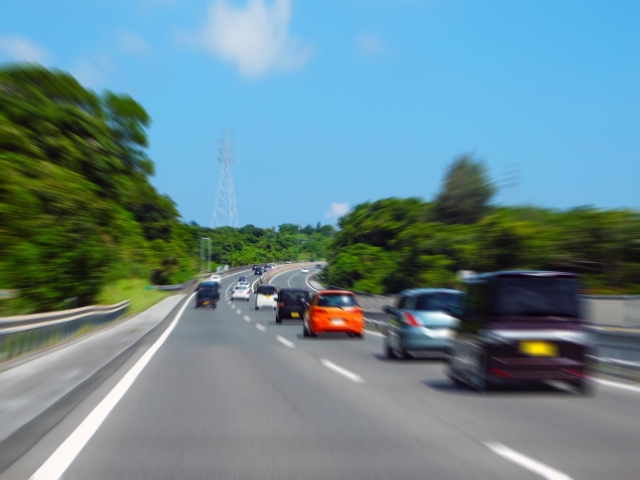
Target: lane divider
x,y
59,461
527,462
247,318
342,371
285,342
261,327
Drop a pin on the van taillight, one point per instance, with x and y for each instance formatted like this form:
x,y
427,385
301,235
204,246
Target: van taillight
x,y
411,320
281,305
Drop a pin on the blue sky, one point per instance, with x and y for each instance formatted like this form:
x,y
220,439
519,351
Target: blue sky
x,y
336,102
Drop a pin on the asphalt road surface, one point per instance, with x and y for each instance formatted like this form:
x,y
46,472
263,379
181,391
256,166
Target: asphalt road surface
x,y
232,395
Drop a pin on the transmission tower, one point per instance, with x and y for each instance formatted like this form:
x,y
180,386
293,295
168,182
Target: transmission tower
x,y
225,212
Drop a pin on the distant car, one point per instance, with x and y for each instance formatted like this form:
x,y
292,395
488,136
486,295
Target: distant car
x,y
290,303
304,270
215,278
241,292
420,321
255,266
319,265
288,262
257,271
266,268
207,294
243,279
266,297
333,311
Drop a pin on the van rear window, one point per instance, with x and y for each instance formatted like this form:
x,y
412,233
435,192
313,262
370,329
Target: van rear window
x,y
536,297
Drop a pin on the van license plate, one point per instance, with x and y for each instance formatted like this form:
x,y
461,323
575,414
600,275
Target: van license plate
x,y
337,321
295,315
206,302
539,349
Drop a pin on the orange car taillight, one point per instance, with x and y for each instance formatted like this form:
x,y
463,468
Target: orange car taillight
x,y
411,320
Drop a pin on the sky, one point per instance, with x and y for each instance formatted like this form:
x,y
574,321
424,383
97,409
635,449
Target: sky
x,y
335,102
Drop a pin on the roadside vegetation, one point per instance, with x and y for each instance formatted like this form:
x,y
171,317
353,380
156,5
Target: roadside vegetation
x,y
391,244
80,221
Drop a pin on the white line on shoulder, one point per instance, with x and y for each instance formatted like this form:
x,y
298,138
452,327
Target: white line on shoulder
x,y
59,461
622,386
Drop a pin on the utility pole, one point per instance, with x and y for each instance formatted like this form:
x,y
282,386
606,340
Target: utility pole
x,y
202,260
225,212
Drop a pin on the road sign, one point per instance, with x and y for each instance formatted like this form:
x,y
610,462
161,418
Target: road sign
x,y
8,294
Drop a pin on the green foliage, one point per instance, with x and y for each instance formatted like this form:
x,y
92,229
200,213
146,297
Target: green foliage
x,y
76,206
393,244
465,193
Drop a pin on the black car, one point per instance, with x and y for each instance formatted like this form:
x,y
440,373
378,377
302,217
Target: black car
x,y
258,271
208,294
291,303
255,267
267,268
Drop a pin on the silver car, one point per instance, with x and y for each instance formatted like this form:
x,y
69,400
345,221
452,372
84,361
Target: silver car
x,y
420,321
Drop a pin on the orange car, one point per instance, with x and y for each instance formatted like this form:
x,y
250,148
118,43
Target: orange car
x,y
333,311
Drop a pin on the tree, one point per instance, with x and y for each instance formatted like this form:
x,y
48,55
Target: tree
x,y
465,193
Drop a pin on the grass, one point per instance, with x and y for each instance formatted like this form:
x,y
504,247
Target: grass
x,y
131,289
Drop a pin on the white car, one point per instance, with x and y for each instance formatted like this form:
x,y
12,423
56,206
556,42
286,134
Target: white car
x,y
241,292
304,270
266,297
215,278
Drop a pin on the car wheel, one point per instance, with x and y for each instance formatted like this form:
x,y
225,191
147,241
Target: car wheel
x,y
305,332
278,319
480,381
403,354
584,387
311,332
452,373
257,308
359,336
388,351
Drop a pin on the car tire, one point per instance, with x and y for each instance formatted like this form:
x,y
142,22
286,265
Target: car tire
x,y
257,308
278,319
388,351
305,332
403,354
359,336
584,387
311,332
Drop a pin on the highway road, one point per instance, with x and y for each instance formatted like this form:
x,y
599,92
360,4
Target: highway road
x,y
232,395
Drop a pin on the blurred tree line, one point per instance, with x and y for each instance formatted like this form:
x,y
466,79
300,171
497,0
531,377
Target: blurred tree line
x,y
77,209
392,244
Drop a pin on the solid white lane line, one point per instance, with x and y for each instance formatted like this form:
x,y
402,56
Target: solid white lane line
x,y
306,280
59,461
342,371
285,342
247,318
622,386
261,327
526,462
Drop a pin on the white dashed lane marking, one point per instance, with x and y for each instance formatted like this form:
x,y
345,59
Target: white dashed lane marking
x,y
526,462
261,327
247,318
342,371
285,342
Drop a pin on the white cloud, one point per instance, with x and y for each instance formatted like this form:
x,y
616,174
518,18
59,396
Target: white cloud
x,y
133,43
21,49
93,72
369,45
337,210
254,37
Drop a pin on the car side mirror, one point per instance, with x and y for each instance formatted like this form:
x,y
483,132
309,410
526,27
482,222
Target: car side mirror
x,y
389,310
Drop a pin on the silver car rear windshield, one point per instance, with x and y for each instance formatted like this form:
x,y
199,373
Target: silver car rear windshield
x,y
437,302
536,297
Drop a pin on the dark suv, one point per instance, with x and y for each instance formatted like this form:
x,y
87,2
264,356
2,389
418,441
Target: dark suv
x,y
520,326
291,303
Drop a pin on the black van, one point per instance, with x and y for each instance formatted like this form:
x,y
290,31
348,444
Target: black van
x,y
520,326
207,294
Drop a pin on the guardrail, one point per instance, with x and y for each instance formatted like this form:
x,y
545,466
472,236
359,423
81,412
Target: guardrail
x,y
26,333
